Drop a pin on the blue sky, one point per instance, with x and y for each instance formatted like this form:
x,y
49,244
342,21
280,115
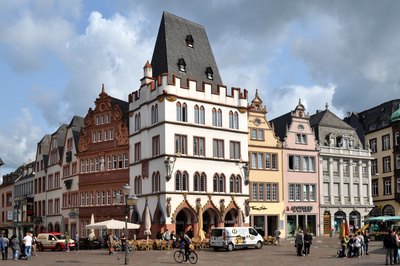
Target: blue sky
x,y
55,55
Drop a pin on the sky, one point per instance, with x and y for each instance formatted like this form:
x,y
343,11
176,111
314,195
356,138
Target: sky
x,y
55,56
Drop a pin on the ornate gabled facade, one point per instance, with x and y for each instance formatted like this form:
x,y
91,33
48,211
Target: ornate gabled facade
x,y
103,155
266,172
345,175
188,136
300,171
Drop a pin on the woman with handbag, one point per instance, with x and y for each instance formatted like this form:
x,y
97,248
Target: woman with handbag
x,y
111,244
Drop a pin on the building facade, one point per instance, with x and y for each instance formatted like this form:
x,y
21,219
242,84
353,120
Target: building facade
x,y
103,154
380,137
345,173
266,173
188,136
300,171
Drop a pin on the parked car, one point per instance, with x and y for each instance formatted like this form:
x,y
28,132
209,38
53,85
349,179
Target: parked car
x,y
53,241
235,237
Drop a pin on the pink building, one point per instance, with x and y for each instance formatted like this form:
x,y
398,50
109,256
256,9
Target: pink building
x,y
300,171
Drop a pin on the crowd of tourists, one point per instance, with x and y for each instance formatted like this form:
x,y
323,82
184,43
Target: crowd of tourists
x,y
356,245
27,246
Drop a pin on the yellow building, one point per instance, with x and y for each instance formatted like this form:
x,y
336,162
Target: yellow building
x,y
266,173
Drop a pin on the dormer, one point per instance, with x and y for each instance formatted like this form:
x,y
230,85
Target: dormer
x,y
209,73
182,65
189,41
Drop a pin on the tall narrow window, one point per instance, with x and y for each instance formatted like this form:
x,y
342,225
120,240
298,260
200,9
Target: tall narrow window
x,y
196,182
202,183
215,183
184,112
196,114
178,181
231,185
178,111
219,118
180,144
238,186
214,117
230,119
202,115
236,120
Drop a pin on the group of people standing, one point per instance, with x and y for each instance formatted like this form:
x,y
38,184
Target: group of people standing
x,y
391,243
301,241
357,245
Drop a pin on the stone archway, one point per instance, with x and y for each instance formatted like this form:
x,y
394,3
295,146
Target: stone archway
x,y
231,217
210,219
184,220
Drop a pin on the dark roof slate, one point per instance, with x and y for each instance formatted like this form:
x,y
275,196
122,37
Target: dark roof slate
x,y
280,125
171,46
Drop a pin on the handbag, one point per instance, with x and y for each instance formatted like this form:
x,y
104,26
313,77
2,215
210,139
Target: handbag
x,y
111,249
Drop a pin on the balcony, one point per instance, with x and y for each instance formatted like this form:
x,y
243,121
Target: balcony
x,y
327,199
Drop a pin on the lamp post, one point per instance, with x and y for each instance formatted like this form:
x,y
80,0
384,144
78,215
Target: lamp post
x,y
130,203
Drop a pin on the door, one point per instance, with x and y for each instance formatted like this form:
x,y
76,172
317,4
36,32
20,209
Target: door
x,y
252,240
327,223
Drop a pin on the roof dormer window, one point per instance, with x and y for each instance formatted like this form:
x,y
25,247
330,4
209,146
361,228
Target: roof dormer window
x,y
209,73
182,65
189,41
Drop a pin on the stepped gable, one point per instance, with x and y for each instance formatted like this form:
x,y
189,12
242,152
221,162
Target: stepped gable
x,y
179,39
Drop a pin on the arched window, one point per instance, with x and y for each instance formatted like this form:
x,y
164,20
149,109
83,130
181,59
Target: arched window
x,y
222,183
178,181
238,185
155,182
219,118
202,115
236,120
136,122
159,181
232,184
152,114
156,114
184,112
196,182
139,122
196,114
231,119
185,181
214,117
203,182
178,111
50,227
215,183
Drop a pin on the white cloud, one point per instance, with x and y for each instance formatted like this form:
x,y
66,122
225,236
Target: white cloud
x,y
19,141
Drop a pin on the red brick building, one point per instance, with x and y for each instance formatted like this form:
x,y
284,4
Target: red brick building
x,y
103,160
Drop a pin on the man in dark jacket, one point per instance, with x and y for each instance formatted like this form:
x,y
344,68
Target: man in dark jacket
x,y
390,244
299,242
307,243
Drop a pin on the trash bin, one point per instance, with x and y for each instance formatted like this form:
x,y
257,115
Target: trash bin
x,y
331,233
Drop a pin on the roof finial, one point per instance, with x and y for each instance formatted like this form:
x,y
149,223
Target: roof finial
x,y
102,89
326,106
257,94
299,101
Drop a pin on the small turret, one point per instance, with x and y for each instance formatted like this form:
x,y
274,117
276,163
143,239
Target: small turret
x,y
147,73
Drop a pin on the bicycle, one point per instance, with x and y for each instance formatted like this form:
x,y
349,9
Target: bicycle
x,y
179,255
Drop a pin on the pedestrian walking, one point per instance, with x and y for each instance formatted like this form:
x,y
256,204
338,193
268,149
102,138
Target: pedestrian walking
x,y
6,244
307,243
14,244
390,244
76,239
67,240
34,246
299,242
367,239
28,245
278,237
2,245
345,242
167,236
111,244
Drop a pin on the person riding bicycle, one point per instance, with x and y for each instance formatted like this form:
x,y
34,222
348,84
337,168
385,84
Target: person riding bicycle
x,y
185,239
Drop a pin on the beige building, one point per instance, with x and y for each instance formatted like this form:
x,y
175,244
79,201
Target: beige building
x,y
266,173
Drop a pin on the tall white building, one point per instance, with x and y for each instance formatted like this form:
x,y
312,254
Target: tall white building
x,y
188,136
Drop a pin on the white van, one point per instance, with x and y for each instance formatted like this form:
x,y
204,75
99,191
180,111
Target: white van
x,y
235,237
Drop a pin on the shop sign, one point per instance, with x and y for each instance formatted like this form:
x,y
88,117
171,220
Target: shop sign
x,y
29,207
301,208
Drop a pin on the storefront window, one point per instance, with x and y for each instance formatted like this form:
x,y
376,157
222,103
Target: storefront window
x,y
291,225
259,224
354,219
311,224
339,216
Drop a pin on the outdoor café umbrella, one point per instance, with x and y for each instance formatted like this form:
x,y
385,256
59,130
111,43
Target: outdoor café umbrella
x,y
147,222
382,219
91,235
200,233
112,224
240,218
342,230
346,226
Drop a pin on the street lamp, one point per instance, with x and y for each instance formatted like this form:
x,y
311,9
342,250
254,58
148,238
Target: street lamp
x,y
246,172
130,203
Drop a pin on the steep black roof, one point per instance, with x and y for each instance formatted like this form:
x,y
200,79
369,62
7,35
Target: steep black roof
x,y
280,125
172,45
1,162
77,123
